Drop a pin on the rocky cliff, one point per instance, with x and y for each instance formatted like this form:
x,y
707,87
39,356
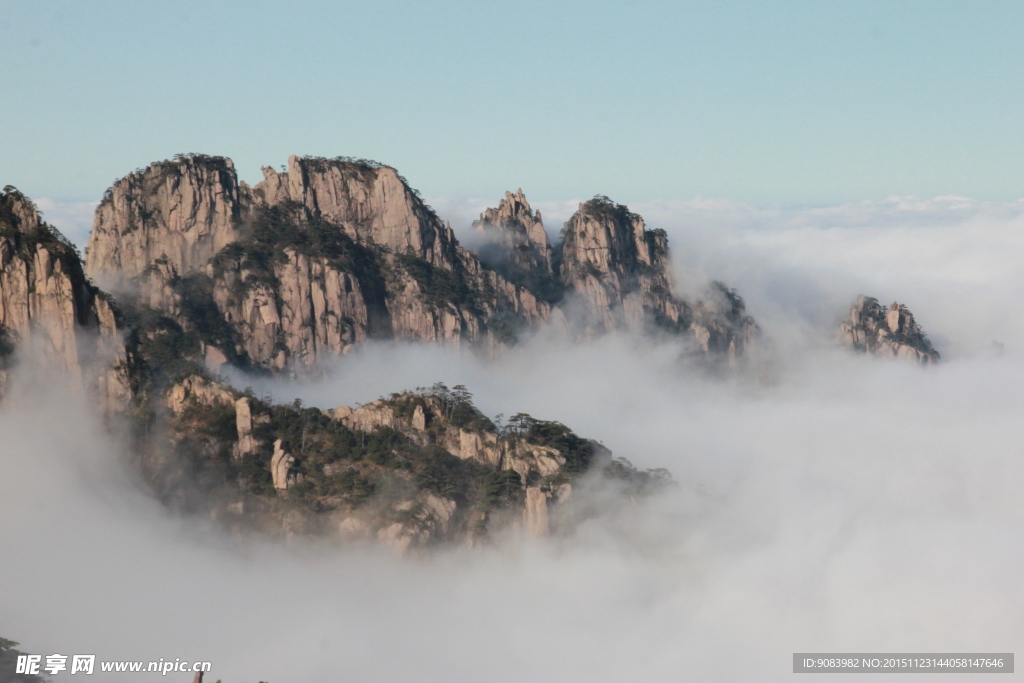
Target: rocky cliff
x,y
886,333
303,266
332,252
181,211
620,272
610,273
617,267
49,312
516,245
414,470
370,202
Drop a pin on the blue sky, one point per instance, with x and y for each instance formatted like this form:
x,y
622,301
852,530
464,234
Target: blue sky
x,y
790,102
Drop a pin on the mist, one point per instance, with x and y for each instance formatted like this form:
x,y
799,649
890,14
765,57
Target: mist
x,y
953,260
842,504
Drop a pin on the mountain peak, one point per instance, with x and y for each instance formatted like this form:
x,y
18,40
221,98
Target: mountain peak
x,y
621,274
886,332
183,210
369,200
516,241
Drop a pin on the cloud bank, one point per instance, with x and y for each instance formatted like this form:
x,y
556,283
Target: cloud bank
x,y
849,505
954,261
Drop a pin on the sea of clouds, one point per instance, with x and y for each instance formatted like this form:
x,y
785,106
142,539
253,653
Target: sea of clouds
x,y
830,503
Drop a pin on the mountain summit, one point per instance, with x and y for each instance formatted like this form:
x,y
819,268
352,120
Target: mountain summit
x,y
609,273
886,332
621,272
517,243
301,267
330,253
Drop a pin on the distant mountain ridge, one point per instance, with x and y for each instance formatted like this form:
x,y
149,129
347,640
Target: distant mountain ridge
x,y
333,252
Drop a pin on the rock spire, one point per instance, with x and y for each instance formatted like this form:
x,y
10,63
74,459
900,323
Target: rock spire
x,y
515,234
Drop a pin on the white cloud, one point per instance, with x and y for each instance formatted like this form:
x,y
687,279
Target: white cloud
x,y
853,506
954,261
849,505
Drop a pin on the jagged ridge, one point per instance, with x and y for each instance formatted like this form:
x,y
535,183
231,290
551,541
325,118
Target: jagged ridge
x,y
612,274
303,266
415,469
516,245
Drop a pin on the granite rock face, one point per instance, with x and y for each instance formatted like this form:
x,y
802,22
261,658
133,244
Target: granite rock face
x,y
371,203
620,274
610,273
886,332
178,212
302,267
535,513
515,239
329,253
618,268
281,468
50,311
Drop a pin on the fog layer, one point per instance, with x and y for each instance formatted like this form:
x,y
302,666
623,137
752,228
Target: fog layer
x,y
849,504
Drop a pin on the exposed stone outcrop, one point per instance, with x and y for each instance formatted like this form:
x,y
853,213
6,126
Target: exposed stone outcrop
x,y
370,202
330,253
540,471
886,333
50,310
413,470
610,273
303,311
156,287
620,273
304,266
515,235
309,309
425,520
281,468
483,445
196,390
182,211
536,511
247,444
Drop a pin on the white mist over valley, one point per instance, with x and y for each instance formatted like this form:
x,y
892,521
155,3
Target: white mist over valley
x,y
825,502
